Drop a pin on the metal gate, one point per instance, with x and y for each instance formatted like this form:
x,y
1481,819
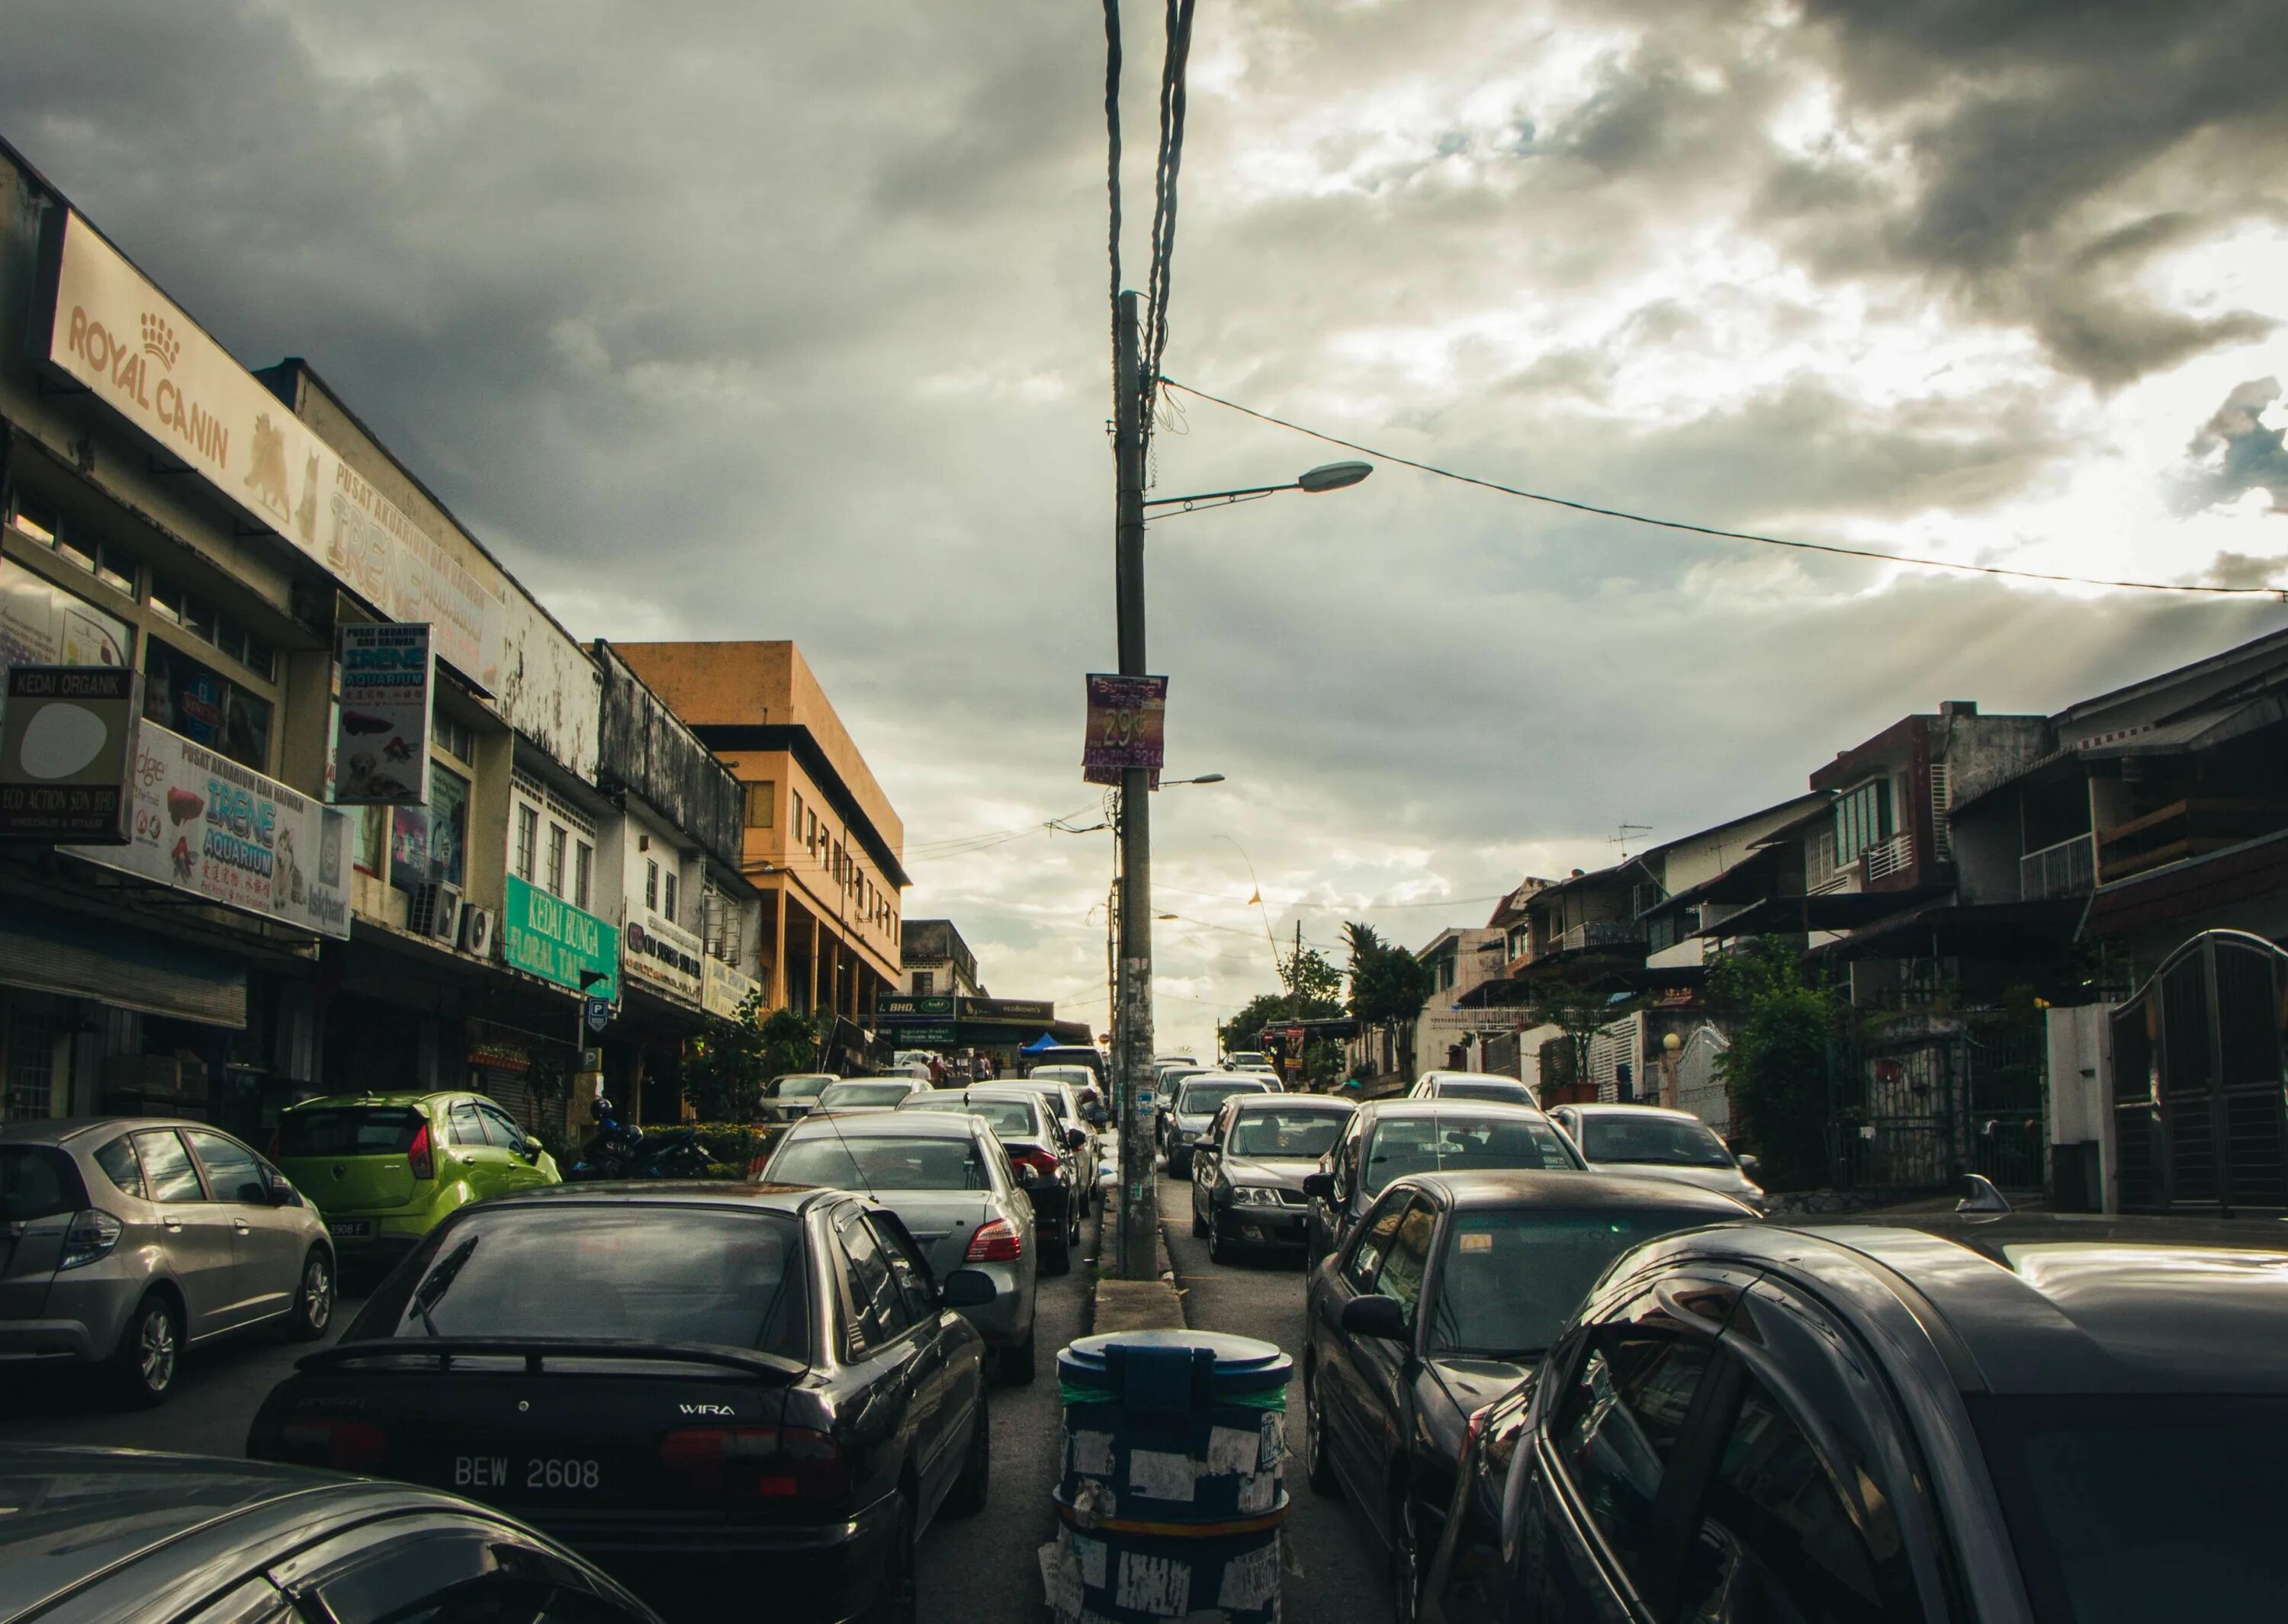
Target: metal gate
x,y
2197,1080
1916,1110
1700,1085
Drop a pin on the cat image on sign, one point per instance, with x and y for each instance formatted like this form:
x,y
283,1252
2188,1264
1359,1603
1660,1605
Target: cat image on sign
x,y
266,477
306,516
286,874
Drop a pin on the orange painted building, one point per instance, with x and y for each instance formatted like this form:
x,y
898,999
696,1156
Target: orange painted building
x,y
822,842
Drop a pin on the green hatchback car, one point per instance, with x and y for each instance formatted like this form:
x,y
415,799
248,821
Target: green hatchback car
x,y
383,1168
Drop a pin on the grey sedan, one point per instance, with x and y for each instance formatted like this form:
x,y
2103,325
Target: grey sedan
x,y
1654,1142
947,1179
125,1239
1248,1171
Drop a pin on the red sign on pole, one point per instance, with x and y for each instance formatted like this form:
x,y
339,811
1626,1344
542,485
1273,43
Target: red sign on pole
x,y
1127,718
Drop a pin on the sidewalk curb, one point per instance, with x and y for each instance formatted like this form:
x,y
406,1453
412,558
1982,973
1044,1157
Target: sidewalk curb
x,y
1138,1305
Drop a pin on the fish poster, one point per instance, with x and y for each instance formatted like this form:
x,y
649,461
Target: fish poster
x,y
381,743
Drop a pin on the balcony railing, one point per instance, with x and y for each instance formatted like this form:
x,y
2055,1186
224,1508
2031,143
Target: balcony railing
x,y
2066,869
2191,827
1599,934
1887,857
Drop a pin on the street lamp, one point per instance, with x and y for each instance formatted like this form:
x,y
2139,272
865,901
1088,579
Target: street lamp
x,y
1325,477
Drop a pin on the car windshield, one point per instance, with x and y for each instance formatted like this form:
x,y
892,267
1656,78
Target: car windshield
x,y
1077,1075
1670,1141
2127,1507
1204,1098
348,1130
864,1093
1503,1093
1510,1279
1293,1134
1454,1143
879,1161
618,1273
1011,1119
799,1087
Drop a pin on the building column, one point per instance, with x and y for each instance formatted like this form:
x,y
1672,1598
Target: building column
x,y
776,995
817,944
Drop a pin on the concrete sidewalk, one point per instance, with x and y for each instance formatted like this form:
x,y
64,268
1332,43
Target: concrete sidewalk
x,y
1138,1305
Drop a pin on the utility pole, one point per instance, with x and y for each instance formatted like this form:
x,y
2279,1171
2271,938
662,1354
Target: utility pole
x,y
1138,1248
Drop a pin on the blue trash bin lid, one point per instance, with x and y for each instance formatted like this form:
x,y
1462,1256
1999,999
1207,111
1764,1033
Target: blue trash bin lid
x,y
1240,1364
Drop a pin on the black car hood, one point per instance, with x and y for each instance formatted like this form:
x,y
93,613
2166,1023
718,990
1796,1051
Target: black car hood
x,y
1474,1384
1280,1172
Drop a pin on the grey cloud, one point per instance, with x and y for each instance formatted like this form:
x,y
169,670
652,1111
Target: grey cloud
x,y
2234,453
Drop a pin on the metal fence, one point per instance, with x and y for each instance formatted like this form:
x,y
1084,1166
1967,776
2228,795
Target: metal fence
x,y
1916,1106
1700,1085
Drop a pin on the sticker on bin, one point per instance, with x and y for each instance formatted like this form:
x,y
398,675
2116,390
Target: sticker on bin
x,y
1274,1437
1250,1580
1233,1451
1157,1475
1160,1586
1091,1556
1061,1582
1092,1454
1261,1490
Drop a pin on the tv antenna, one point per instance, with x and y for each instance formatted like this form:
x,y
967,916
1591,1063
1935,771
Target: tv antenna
x,y
1621,837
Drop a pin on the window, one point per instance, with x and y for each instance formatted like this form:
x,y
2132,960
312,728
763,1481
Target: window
x,y
455,737
584,863
874,1299
36,520
671,887
448,826
528,836
166,599
1863,818
468,1130
1618,1422
116,569
651,885
1409,1257
75,548
233,1174
1778,1541
762,805
912,1278
188,697
1376,1234
925,982
556,859
500,1127
167,1171
117,1160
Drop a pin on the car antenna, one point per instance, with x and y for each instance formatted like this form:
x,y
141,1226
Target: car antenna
x,y
835,1122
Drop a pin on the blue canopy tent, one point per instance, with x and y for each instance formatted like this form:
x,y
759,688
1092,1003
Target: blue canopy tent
x,y
1039,1045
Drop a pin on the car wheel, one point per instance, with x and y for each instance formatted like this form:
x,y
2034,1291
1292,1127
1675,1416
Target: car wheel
x,y
896,1602
1200,1228
1013,1365
1323,1480
1405,1560
966,1497
1220,1250
1179,1164
314,1304
150,1347
1056,1254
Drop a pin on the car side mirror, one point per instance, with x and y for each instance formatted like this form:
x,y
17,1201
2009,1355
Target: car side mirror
x,y
1075,1138
967,1288
1319,1186
1377,1316
1751,1165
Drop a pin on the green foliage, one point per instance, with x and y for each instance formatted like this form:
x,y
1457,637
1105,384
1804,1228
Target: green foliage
x,y
1388,984
1243,1030
733,1147
1579,1011
791,1041
1312,982
1777,1065
724,1072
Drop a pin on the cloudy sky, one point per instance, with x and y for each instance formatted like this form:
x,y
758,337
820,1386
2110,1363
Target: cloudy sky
x,y
723,321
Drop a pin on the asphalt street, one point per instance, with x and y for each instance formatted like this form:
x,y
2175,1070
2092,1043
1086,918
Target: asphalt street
x,y
1343,1574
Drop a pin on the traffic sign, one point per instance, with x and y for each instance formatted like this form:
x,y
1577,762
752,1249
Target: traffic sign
x,y
598,1014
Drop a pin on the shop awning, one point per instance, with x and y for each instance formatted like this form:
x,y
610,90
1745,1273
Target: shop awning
x,y
46,951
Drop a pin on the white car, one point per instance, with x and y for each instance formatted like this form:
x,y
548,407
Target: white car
x,y
1248,1060
1656,1143
1489,1086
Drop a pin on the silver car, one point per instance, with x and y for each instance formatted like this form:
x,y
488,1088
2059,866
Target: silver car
x,y
1193,1108
947,1179
125,1239
867,1094
1654,1141
1248,1172
1490,1086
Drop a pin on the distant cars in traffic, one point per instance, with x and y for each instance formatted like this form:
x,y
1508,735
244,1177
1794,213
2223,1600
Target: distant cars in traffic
x,y
1388,1139
867,1094
1050,1162
117,1536
383,1168
1248,1170
1659,1143
1072,1118
124,1240
1439,1303
1193,1108
1247,1060
789,1097
2029,1417
947,1177
708,1390
1489,1086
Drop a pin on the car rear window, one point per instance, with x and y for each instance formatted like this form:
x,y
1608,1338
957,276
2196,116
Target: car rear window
x,y
879,1161
348,1130
1664,1141
866,1093
1202,1098
1011,1119
620,1274
1453,1142
1505,1093
38,1180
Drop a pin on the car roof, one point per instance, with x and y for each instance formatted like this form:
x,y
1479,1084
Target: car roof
x,y
1008,1093
1271,1100
59,1129
906,1079
2054,1302
379,1097
1500,1188
1382,1110
737,1193
142,1521
887,1124
1472,1077
1255,1078
1594,1109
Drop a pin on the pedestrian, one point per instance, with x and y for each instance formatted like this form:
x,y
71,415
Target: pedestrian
x,y
937,1071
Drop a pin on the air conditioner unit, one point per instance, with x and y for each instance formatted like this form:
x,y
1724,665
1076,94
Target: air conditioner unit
x,y
436,912
477,931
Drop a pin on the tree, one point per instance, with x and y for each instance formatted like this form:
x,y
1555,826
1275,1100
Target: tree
x,y
1580,1013
1389,986
1314,993
1313,981
1776,1067
724,1071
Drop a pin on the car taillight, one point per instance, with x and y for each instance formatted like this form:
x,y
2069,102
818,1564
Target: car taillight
x,y
347,1446
756,1462
996,1241
1040,1164
419,1157
93,1232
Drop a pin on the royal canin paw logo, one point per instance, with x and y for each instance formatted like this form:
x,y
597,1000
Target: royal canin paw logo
x,y
159,341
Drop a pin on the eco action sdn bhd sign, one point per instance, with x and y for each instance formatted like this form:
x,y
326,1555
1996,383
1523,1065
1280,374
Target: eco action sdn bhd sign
x,y
547,937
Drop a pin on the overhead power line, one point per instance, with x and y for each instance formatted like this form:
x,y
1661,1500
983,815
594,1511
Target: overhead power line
x,y
1722,534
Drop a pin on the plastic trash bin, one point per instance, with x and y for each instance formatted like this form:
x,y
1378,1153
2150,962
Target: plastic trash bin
x,y
1171,1482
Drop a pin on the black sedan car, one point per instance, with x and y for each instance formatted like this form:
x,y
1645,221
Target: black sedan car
x,y
2028,1419
716,1392
1391,1138
1248,1170
117,1536
1442,1301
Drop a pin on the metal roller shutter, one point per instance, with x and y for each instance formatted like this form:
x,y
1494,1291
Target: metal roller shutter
x,y
48,951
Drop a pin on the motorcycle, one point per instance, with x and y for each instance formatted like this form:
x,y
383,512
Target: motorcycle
x,y
622,1150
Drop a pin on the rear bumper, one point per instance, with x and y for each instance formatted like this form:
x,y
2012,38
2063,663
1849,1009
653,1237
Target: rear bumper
x,y
81,1315
48,1339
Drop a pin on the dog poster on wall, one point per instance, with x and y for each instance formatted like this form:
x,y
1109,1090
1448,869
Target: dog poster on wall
x,y
381,741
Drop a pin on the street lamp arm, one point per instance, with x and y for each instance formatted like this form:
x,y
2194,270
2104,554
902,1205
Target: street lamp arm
x,y
1234,496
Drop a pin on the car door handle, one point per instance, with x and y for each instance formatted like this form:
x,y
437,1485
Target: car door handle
x,y
174,1225
241,1226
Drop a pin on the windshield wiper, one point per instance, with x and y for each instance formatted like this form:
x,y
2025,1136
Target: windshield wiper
x,y
440,1280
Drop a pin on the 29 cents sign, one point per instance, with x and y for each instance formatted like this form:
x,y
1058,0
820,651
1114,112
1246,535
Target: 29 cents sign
x,y
1127,717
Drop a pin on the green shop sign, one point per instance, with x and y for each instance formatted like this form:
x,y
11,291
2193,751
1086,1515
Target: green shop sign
x,y
547,937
